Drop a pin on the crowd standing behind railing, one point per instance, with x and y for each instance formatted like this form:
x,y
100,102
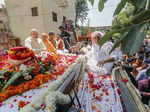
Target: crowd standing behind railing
x,y
137,66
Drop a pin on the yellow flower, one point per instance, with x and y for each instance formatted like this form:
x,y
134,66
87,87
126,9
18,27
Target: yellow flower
x,y
10,52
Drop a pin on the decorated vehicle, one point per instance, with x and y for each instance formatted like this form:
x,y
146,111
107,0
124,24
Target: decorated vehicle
x,y
31,71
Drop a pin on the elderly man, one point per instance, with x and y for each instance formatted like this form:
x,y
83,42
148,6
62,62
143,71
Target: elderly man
x,y
34,42
101,56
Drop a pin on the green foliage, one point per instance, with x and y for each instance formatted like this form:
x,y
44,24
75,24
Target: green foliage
x,y
81,7
116,35
12,79
101,5
118,41
143,16
92,2
43,68
133,40
2,82
148,32
120,7
131,21
124,17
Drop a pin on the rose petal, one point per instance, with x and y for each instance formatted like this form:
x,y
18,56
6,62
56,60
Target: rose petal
x,y
1,104
15,100
11,106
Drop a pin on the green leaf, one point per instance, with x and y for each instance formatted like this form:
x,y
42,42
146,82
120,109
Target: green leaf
x,y
120,7
14,68
133,2
101,5
133,41
108,35
141,17
92,2
119,41
116,35
141,4
12,79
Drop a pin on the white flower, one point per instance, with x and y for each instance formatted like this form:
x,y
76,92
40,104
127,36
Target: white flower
x,y
50,96
55,98
28,108
23,67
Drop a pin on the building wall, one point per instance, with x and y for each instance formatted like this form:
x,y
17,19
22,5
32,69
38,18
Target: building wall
x,y
3,18
21,20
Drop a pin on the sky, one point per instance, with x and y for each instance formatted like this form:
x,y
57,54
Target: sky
x,y
103,18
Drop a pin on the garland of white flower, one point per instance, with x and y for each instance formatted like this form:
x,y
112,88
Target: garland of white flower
x,y
49,96
55,98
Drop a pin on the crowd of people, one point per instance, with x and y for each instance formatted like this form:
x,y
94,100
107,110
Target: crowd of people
x,y
48,41
137,67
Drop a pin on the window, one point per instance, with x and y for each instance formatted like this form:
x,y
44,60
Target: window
x,y
54,15
34,11
64,18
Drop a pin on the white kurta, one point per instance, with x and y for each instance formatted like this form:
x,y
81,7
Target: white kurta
x,y
29,40
99,54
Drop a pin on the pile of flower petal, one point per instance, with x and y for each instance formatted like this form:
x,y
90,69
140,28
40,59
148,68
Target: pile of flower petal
x,y
99,94
34,73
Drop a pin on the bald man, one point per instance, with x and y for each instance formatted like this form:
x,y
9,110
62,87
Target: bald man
x,y
34,42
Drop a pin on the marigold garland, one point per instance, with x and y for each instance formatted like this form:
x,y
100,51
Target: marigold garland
x,y
36,82
39,79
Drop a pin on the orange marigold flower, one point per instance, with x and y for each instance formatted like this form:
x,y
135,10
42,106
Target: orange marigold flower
x,y
20,90
32,86
2,97
93,107
21,104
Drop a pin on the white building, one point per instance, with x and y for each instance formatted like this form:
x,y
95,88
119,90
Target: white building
x,y
45,15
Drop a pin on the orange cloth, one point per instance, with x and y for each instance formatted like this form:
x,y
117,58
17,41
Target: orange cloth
x,y
49,46
60,44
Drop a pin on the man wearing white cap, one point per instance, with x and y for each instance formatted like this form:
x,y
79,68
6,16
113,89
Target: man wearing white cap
x,y
101,57
34,42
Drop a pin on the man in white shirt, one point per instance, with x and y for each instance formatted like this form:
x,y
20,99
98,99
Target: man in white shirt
x,y
34,42
102,55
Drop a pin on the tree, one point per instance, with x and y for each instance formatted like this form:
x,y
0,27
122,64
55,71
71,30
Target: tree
x,y
133,31
81,11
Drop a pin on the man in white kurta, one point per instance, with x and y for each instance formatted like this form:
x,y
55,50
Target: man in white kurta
x,y
34,42
100,60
